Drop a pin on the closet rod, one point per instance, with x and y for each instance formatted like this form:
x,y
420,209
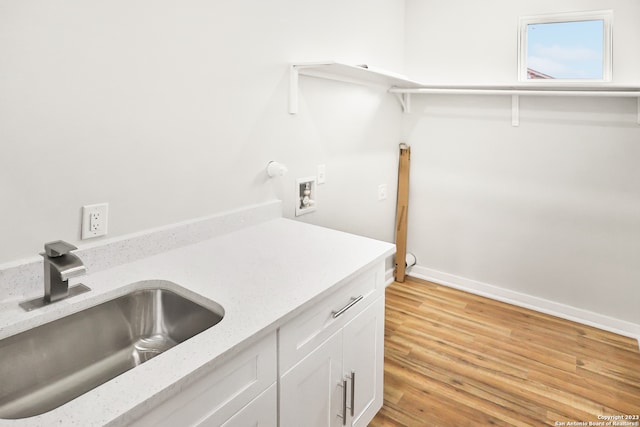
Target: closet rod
x,y
622,92
522,92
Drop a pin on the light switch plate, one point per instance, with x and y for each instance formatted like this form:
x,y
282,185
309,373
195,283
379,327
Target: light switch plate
x,y
322,174
382,192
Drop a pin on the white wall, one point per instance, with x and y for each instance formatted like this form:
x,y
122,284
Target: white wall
x,y
550,209
170,110
467,42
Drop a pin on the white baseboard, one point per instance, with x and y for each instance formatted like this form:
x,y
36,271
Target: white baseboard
x,y
388,277
618,326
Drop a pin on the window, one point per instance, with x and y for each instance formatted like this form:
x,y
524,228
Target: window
x,y
565,47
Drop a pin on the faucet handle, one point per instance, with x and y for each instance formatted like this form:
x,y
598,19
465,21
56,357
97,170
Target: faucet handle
x,y
58,248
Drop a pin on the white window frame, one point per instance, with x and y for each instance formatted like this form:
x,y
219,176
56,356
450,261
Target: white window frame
x,y
607,43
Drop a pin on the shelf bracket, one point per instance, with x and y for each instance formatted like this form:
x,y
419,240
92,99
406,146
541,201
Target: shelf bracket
x,y
293,89
405,101
515,110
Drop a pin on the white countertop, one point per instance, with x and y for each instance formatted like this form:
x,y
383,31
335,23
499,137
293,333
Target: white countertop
x,y
262,276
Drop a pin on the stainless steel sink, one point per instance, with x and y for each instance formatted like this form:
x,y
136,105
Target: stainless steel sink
x,y
47,366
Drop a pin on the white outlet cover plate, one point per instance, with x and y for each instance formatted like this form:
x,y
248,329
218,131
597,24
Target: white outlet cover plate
x,y
98,225
322,174
382,192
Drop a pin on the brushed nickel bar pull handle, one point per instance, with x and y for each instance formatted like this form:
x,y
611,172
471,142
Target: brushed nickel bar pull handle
x,y
354,300
353,392
344,402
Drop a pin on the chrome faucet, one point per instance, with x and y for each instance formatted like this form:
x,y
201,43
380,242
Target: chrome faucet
x,y
60,265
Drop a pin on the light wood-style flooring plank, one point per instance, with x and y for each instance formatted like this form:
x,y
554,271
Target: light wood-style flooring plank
x,y
457,359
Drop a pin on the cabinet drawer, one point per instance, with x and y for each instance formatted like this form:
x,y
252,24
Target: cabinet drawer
x,y
305,332
222,392
261,412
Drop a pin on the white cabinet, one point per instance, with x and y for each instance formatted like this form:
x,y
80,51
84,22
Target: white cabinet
x,y
363,358
341,381
330,361
304,333
259,413
220,393
311,392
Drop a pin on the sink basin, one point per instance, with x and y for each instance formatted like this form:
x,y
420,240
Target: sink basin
x,y
47,366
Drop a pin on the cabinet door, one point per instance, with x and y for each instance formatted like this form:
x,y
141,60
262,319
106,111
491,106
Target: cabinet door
x,y
363,348
311,393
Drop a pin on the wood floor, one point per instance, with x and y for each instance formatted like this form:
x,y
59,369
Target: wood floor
x,y
456,359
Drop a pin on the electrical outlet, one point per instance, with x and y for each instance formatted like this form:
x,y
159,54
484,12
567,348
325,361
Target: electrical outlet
x,y
94,220
382,191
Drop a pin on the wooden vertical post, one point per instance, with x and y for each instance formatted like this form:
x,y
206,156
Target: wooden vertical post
x,y
401,212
